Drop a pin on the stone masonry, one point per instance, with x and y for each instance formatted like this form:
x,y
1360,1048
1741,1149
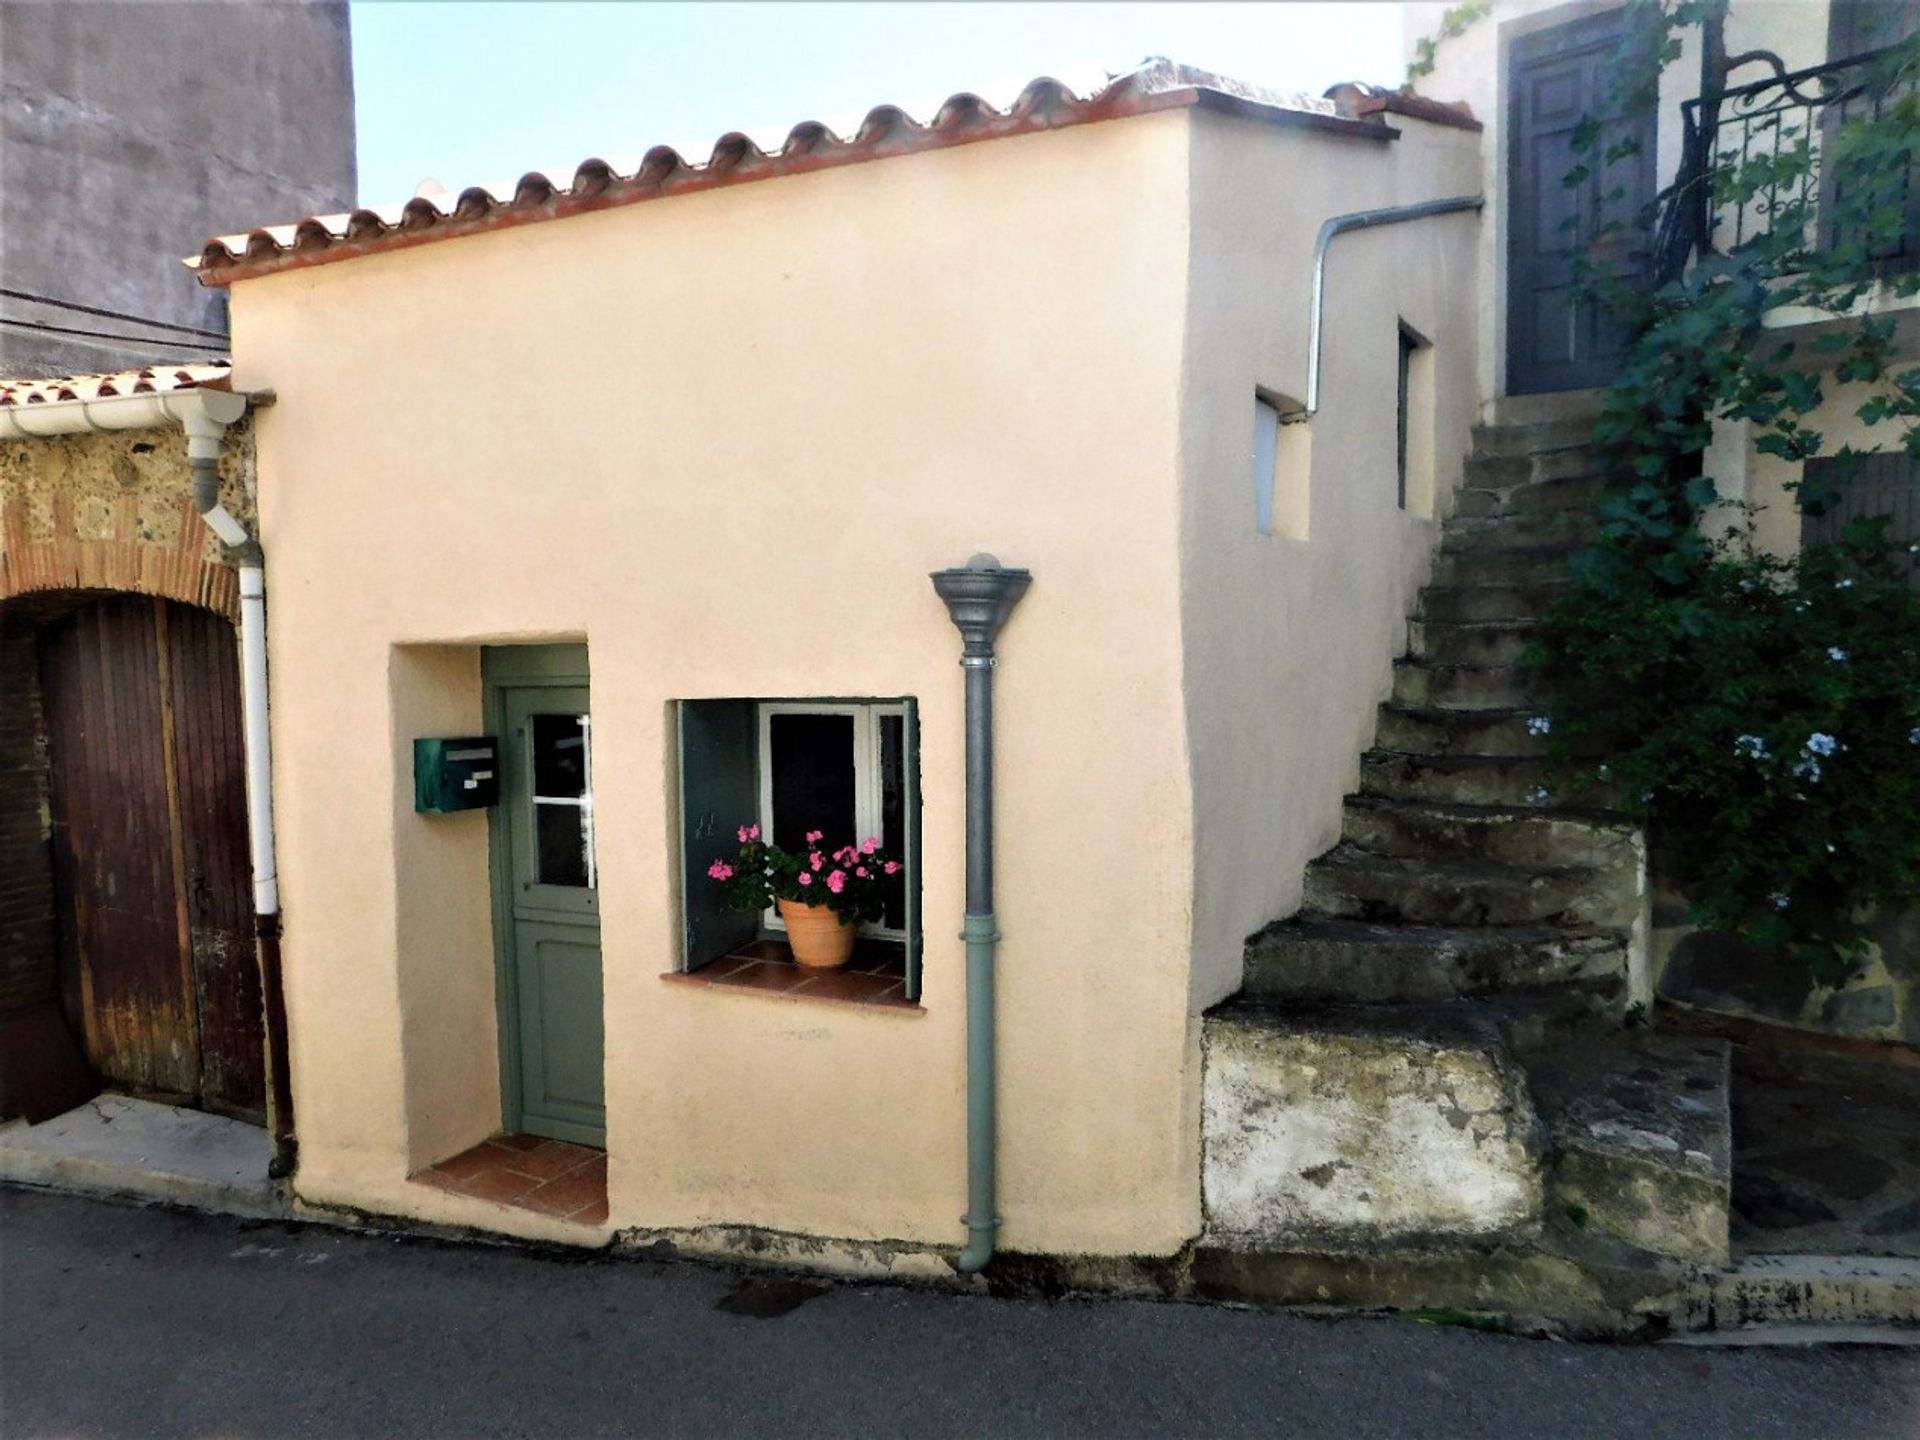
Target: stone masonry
x,y
1442,1052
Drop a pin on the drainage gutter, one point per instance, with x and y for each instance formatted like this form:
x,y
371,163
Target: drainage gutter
x,y
979,597
1340,225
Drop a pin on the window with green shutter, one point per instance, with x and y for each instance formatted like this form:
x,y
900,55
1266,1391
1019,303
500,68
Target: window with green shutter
x,y
847,767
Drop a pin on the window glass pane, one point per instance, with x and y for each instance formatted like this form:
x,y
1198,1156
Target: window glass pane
x,y
893,809
560,840
559,755
1266,454
811,763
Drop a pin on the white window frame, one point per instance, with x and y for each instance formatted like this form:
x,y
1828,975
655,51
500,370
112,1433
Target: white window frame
x,y
866,716
583,802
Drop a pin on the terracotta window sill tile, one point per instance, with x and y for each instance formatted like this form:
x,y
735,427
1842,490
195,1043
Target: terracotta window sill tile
x,y
765,967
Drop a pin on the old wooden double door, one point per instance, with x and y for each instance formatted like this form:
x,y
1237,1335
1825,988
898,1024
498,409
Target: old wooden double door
x,y
147,786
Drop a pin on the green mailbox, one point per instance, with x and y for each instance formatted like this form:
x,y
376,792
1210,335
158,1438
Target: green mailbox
x,y
451,775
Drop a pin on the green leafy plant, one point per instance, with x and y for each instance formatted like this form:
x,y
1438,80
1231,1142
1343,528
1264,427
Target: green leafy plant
x,y
850,881
1760,713
1453,23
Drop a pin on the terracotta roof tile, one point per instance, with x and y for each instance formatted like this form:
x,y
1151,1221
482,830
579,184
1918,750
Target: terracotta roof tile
x,y
886,130
154,380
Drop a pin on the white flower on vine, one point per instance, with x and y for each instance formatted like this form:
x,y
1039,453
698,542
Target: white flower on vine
x,y
1780,899
1808,769
1539,725
1821,743
1836,654
1913,736
1751,746
1843,584
1539,795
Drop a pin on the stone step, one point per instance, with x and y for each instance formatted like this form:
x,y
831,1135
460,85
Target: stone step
x,y
1504,781
1544,839
1532,565
1423,730
1480,642
1354,884
1470,533
1425,685
1544,436
1468,604
1362,1126
1780,1292
1317,959
1492,494
1642,1139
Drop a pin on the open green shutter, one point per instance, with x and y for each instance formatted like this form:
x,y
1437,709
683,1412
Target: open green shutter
x,y
719,792
911,736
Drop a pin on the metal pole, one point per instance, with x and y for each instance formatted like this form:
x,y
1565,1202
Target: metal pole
x,y
1340,225
979,597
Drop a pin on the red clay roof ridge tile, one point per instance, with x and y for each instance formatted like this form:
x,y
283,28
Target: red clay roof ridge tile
x,y
964,117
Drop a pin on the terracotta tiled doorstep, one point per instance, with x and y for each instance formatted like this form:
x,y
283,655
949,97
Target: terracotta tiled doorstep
x,y
548,1177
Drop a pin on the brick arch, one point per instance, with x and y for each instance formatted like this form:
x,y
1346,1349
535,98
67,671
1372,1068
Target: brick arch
x,y
124,561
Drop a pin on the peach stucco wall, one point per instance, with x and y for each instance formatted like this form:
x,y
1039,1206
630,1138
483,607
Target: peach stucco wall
x,y
1288,640
723,439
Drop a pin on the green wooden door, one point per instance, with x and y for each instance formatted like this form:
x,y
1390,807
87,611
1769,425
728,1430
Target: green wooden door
x,y
552,1011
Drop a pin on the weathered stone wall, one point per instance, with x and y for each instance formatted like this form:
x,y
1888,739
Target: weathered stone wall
x,y
114,511
1880,1001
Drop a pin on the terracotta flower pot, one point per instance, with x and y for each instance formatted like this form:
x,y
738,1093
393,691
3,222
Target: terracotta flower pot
x,y
821,940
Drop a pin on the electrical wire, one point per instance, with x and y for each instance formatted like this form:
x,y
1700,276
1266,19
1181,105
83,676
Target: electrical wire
x,y
152,341
111,314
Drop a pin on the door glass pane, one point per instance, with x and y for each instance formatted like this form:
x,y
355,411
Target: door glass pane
x,y
560,842
559,756
562,766
811,763
893,815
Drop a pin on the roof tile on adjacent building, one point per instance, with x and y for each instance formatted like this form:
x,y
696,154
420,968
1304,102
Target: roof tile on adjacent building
x,y
886,130
153,380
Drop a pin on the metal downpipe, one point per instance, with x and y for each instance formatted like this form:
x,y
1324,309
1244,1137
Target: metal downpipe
x,y
1337,225
979,597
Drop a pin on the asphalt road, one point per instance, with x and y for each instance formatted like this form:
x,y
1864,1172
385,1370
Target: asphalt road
x,y
122,1322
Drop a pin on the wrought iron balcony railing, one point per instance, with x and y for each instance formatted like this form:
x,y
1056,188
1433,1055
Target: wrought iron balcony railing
x,y
1752,160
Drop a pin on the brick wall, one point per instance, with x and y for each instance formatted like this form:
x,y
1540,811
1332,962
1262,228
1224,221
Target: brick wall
x,y
29,967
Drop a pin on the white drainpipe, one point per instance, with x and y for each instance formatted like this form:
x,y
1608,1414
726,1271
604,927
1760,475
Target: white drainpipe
x,y
206,431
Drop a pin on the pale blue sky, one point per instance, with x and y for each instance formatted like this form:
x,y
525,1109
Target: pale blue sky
x,y
481,92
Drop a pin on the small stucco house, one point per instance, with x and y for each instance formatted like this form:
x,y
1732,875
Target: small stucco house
x,y
654,461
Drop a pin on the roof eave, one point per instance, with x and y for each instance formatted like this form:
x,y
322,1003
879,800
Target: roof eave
x,y
478,212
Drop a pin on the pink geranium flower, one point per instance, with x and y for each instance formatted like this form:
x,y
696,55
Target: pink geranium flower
x,y
892,867
869,845
749,833
720,870
805,879
816,859
837,881
861,871
813,835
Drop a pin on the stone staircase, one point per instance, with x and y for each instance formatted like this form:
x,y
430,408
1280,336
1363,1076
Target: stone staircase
x,y
1432,1090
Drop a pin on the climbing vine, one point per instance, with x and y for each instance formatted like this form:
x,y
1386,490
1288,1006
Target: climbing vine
x,y
1453,23
1761,714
